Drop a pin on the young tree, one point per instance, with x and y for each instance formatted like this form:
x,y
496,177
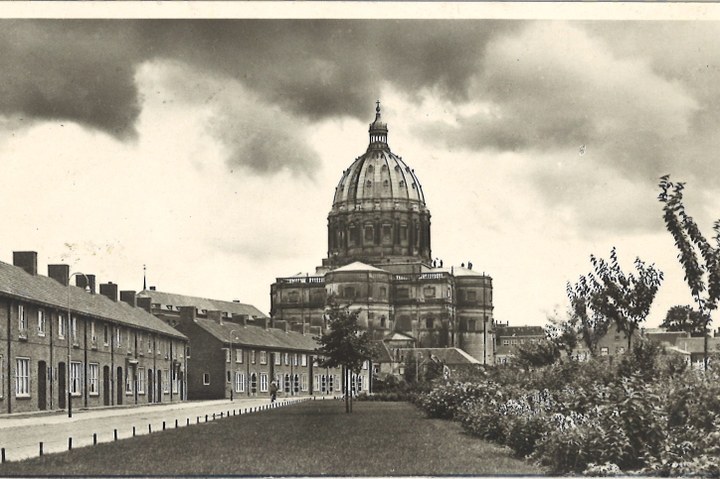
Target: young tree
x,y
685,318
608,296
344,345
699,258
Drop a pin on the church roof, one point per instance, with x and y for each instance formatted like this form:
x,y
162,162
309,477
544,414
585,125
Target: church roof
x,y
378,175
358,266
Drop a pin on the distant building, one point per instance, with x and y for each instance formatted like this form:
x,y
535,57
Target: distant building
x,y
235,351
379,262
104,353
508,338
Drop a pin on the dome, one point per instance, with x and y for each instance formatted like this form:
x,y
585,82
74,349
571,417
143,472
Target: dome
x,y
378,178
378,215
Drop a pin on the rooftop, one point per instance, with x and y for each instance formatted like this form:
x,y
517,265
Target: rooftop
x,y
178,300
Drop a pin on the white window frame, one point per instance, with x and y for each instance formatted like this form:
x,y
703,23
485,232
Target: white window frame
x,y
166,381
22,377
42,323
76,378
263,357
62,329
93,370
140,381
22,319
239,382
206,379
118,336
93,334
238,356
2,376
252,356
304,382
263,382
73,329
331,383
175,382
295,359
278,359
129,380
106,334
303,361
227,355
287,359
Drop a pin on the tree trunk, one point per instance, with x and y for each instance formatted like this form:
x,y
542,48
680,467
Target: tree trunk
x,y
345,389
705,351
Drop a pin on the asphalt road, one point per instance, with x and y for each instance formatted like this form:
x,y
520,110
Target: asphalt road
x,y
21,436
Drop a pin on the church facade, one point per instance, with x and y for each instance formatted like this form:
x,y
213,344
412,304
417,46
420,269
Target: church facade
x,y
379,262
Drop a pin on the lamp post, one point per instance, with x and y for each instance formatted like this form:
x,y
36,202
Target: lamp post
x,y
70,336
232,376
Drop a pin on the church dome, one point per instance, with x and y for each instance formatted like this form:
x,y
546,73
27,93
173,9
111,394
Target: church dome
x,y
378,215
379,178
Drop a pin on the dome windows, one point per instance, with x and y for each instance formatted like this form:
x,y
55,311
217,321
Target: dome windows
x,y
402,184
368,183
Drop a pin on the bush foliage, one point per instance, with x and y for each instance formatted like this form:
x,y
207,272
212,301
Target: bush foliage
x,y
643,413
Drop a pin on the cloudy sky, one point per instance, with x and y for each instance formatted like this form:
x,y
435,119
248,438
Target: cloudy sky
x,y
209,150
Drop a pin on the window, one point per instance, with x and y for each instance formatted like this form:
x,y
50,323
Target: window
x,y
278,359
252,356
263,360
386,233
293,297
471,295
22,377
365,364
76,378
429,323
227,357
359,382
295,359
239,383
368,233
150,343
239,356
61,326
303,360
228,376
74,329
93,336
506,342
287,359
403,293
2,377
263,382
118,337
323,383
166,381
403,230
471,325
429,292
175,381
604,351
296,384
22,319
304,381
106,334
129,382
41,322
331,383
206,379
129,339
140,336
253,383
141,380
93,379
287,383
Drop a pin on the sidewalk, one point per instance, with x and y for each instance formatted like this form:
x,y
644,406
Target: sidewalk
x,y
20,437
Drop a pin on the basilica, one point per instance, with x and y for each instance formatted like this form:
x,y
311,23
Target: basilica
x,y
379,262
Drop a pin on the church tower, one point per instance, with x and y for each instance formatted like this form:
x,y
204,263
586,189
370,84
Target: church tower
x,y
378,215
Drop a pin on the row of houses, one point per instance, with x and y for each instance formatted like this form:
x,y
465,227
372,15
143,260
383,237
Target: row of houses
x,y
65,346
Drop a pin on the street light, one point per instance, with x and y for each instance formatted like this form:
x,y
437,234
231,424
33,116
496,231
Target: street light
x,y
70,335
232,376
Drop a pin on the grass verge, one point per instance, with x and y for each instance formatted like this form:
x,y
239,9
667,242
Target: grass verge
x,y
312,438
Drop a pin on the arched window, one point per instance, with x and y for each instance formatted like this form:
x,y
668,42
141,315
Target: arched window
x,y
253,383
296,383
331,386
287,383
323,383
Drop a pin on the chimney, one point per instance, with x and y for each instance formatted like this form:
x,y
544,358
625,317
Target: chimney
x,y
80,282
129,298
152,288
109,290
216,316
26,260
144,303
188,313
262,322
60,273
280,324
241,319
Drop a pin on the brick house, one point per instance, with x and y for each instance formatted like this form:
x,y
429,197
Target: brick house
x,y
60,342
236,351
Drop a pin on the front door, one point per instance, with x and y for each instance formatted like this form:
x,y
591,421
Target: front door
x,y
106,385
150,385
42,385
159,385
61,386
119,386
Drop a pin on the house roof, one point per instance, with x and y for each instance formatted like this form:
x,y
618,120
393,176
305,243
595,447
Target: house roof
x,y
697,345
446,355
257,336
17,283
519,331
381,353
178,300
398,336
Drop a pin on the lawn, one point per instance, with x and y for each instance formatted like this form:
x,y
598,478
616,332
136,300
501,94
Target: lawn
x,y
312,438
